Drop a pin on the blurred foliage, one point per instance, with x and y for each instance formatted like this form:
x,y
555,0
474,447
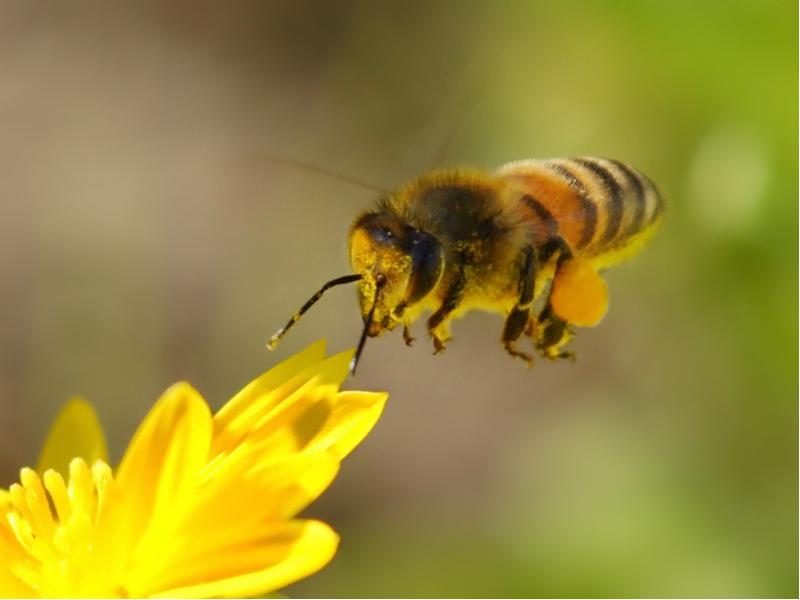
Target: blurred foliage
x,y
147,240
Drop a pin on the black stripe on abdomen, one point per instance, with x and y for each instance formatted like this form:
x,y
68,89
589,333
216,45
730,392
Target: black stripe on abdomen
x,y
658,209
635,185
544,215
613,203
588,207
589,220
568,175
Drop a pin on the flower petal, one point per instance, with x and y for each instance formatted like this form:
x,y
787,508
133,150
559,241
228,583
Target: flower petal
x,y
354,414
228,507
156,478
76,433
256,411
268,381
269,558
199,505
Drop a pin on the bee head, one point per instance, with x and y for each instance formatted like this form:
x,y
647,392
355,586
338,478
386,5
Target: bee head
x,y
399,266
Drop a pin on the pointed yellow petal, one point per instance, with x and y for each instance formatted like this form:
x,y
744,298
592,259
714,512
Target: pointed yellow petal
x,y
228,507
238,518
354,415
271,558
305,487
266,416
76,433
268,381
156,478
334,369
254,410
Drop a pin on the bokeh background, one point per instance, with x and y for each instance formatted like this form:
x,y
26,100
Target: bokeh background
x,y
147,238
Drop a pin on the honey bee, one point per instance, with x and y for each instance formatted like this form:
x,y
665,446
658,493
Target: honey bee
x,y
527,241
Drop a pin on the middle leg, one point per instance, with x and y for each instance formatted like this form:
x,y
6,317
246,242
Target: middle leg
x,y
518,318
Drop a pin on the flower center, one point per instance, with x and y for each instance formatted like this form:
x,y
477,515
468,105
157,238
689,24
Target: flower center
x,y
54,525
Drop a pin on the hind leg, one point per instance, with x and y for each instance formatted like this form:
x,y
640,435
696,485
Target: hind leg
x,y
578,296
552,334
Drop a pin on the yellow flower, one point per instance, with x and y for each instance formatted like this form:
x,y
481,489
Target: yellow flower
x,y
200,505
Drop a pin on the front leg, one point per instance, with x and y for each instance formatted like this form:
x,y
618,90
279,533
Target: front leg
x,y
439,322
397,315
407,337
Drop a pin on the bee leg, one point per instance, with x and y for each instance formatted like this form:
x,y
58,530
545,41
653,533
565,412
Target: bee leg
x,y
515,324
438,344
439,329
530,327
578,296
397,316
549,331
407,337
438,323
518,318
552,334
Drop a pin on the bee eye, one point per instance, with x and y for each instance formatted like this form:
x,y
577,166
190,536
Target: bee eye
x,y
427,263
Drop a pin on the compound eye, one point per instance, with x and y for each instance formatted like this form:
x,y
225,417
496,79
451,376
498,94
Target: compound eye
x,y
427,264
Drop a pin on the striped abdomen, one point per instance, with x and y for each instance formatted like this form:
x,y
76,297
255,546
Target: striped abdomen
x,y
599,207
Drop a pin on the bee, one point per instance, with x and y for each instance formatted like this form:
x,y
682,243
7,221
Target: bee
x,y
528,241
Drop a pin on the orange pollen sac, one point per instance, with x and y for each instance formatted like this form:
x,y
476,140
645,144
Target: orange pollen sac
x,y
580,295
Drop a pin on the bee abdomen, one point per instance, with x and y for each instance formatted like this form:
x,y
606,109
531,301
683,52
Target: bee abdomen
x,y
625,202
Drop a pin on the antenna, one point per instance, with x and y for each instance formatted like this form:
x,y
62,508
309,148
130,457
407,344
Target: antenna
x,y
276,337
299,164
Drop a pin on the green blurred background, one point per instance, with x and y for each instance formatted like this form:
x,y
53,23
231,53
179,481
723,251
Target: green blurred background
x,y
145,239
